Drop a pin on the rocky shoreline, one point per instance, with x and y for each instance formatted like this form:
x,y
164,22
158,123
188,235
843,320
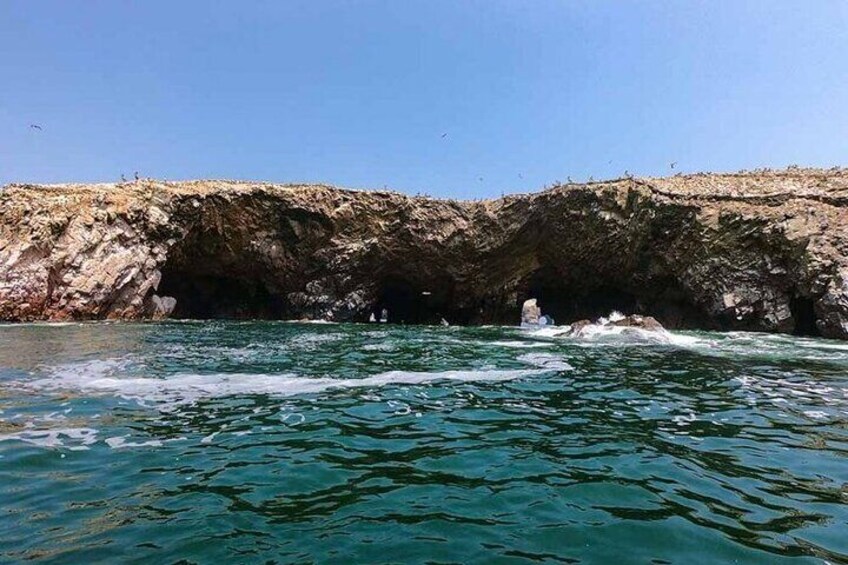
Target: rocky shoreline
x,y
765,251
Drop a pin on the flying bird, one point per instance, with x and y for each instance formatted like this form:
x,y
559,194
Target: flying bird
x,y
35,126
673,164
444,135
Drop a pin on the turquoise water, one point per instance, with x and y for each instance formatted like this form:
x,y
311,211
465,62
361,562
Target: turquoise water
x,y
288,443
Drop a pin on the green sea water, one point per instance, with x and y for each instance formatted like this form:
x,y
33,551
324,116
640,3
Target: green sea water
x,y
273,442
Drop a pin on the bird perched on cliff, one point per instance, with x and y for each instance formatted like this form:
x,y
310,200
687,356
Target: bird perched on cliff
x,y
35,126
123,178
136,175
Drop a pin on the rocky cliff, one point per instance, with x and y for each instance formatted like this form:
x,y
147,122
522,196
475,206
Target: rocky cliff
x,y
760,251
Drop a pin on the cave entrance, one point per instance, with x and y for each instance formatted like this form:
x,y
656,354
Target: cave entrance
x,y
569,302
804,313
580,297
211,296
215,275
416,302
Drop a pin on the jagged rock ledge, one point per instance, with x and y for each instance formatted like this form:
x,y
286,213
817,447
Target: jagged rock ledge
x,y
754,251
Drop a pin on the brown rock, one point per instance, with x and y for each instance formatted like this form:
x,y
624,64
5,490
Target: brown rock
x,y
636,321
580,324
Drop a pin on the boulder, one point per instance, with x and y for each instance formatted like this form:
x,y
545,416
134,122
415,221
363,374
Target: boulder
x,y
530,312
581,328
161,307
636,321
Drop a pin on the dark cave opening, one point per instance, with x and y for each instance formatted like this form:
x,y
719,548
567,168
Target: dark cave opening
x,y
804,313
212,296
569,302
409,301
214,275
577,298
218,275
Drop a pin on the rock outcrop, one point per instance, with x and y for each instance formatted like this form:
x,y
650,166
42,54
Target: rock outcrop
x,y
755,251
530,312
582,328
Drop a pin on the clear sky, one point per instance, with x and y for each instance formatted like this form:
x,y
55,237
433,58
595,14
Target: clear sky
x,y
361,93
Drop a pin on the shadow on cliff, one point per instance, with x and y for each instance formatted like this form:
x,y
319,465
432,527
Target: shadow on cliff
x,y
217,271
580,254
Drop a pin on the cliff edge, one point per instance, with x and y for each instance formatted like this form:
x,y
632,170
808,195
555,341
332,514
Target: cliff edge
x,y
766,250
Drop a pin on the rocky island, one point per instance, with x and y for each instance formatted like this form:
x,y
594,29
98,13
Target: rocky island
x,y
763,250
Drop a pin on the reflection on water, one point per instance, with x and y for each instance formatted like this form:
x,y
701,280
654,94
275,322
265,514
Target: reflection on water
x,y
250,442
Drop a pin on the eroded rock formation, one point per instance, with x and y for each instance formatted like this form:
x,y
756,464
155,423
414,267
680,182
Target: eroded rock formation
x,y
583,328
759,251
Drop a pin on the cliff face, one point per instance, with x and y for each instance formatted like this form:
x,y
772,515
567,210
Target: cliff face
x,y
759,251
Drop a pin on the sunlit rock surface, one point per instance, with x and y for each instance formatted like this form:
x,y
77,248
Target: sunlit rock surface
x,y
758,251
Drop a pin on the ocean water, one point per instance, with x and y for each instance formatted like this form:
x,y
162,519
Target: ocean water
x,y
274,442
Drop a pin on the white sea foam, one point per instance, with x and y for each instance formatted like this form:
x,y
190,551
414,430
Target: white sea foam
x,y
594,333
39,324
776,391
401,408
378,347
79,438
105,377
376,334
516,344
761,345
293,418
120,442
546,361
311,341
555,331
820,345
604,334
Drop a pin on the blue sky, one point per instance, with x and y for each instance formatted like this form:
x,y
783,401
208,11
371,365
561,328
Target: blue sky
x,y
359,93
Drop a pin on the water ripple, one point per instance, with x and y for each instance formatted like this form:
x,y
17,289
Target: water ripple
x,y
307,443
